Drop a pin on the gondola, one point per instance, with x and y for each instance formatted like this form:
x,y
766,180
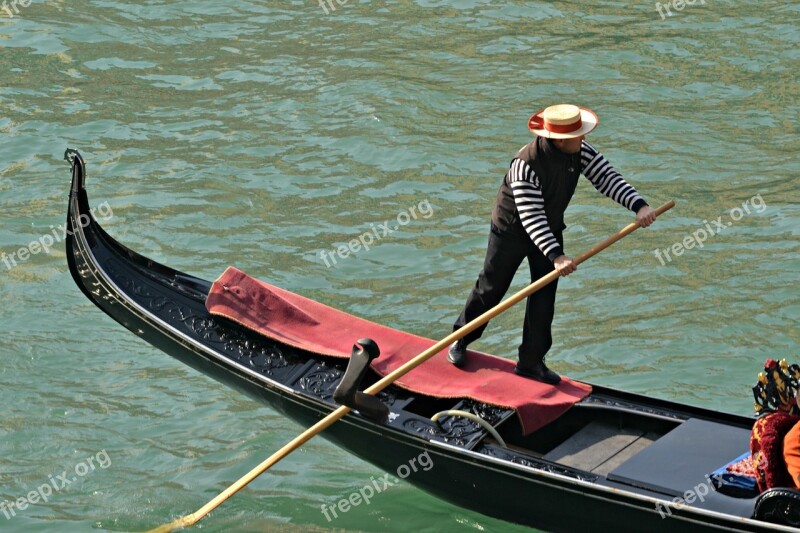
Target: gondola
x,y
614,461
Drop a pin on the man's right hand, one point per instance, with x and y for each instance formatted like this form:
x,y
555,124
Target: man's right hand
x,y
565,265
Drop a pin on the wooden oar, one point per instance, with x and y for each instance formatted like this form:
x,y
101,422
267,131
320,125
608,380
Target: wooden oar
x,y
329,420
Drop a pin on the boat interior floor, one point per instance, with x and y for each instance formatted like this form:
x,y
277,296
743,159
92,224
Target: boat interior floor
x,y
600,447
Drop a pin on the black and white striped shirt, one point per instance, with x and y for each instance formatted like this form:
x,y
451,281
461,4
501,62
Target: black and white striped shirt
x,y
530,203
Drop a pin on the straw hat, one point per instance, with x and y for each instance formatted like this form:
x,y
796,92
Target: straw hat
x,y
563,121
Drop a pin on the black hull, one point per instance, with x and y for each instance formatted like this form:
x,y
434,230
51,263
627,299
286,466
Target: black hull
x,y
166,308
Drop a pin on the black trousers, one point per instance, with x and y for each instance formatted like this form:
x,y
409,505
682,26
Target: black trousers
x,y
504,254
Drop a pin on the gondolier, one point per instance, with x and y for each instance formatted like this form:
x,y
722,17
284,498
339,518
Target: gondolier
x,y
528,221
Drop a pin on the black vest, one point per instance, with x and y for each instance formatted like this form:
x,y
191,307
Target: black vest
x,y
558,175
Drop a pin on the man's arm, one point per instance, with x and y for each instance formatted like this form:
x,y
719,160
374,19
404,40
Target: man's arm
x,y
530,204
607,180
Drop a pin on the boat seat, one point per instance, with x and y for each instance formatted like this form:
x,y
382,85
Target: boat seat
x,y
681,459
600,447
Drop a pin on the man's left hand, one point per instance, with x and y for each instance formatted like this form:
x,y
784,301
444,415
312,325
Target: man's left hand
x,y
645,216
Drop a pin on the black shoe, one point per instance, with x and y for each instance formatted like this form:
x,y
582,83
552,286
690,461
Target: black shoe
x,y
457,354
539,372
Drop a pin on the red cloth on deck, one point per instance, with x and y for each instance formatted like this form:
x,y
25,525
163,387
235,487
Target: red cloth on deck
x,y
303,323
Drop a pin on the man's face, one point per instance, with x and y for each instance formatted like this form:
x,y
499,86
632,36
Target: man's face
x,y
569,146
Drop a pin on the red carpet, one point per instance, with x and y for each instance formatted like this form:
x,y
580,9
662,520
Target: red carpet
x,y
312,326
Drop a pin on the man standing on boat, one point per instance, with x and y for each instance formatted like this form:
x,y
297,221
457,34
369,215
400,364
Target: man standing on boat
x,y
528,221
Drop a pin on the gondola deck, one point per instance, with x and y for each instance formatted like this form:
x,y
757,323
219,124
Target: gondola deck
x,y
296,321
616,460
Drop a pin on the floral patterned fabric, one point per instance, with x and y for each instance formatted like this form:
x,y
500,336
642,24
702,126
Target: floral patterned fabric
x,y
766,445
745,467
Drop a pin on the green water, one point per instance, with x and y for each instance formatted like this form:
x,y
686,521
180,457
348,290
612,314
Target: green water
x,y
260,134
